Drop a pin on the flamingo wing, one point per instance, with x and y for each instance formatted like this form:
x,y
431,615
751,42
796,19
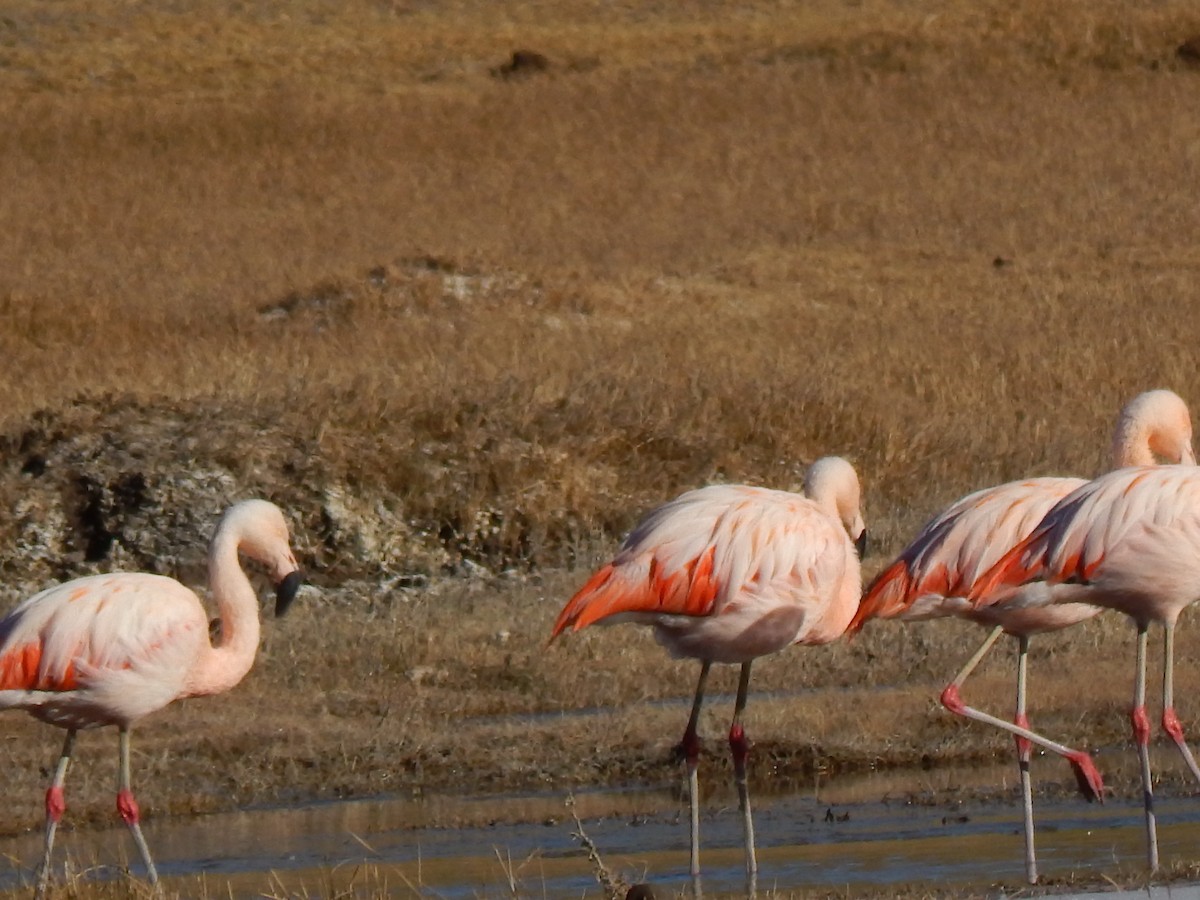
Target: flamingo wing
x,y
711,548
1122,529
66,636
959,545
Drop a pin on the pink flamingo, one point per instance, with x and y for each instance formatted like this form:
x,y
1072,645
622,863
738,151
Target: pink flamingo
x,y
111,649
1130,541
933,575
729,573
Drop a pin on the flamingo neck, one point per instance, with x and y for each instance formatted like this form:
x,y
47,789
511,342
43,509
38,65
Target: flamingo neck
x,y
222,666
1131,444
832,485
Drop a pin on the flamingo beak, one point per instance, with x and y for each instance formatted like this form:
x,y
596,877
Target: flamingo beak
x,y
860,544
285,591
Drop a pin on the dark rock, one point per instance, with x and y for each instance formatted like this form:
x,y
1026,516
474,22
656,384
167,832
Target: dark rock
x,y
1189,51
522,63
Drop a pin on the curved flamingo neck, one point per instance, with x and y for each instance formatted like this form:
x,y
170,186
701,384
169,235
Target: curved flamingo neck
x,y
832,484
1153,425
1131,444
221,667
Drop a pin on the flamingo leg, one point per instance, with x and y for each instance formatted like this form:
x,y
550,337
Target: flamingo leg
x,y
739,747
689,749
56,805
128,808
1141,736
1170,721
1023,754
1091,785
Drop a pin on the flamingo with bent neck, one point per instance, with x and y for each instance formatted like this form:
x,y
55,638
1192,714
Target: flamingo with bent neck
x,y
729,573
934,574
111,649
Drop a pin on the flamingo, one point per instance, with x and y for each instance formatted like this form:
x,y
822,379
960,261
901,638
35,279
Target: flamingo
x,y
111,649
1130,541
934,573
729,573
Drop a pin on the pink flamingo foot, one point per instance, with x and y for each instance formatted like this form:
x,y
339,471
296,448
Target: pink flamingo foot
x,y
1087,776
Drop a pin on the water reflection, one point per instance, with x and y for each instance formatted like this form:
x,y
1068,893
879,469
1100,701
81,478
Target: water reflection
x,y
879,829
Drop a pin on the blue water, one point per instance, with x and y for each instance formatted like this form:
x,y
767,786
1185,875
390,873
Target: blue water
x,y
910,828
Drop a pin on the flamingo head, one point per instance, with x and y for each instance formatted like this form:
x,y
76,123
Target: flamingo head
x,y
263,536
832,484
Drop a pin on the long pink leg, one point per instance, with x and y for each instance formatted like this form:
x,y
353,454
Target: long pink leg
x,y
1170,721
128,809
689,749
1091,785
56,805
1023,753
739,747
1141,736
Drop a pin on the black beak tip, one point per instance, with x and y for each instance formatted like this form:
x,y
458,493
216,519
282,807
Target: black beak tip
x,y
285,591
861,545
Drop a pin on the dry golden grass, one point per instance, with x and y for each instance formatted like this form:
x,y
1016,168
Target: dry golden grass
x,y
604,286
706,244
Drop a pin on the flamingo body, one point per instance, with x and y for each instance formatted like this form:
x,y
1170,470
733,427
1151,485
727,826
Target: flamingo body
x,y
111,649
938,570
102,650
728,573
1129,540
932,576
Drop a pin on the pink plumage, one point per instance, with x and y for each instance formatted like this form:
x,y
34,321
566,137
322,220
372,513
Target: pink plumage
x,y
937,572
933,574
1129,541
729,573
103,650
111,649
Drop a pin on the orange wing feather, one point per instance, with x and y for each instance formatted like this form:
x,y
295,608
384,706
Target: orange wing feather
x,y
888,593
1073,538
689,591
19,671
1015,567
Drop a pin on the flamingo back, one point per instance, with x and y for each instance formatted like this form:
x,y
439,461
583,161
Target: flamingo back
x,y
98,637
956,547
722,550
1132,535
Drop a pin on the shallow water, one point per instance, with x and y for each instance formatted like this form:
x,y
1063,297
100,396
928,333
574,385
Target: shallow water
x,y
870,831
